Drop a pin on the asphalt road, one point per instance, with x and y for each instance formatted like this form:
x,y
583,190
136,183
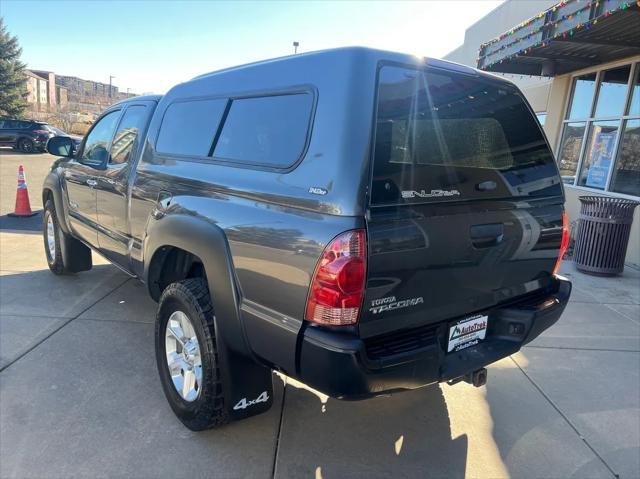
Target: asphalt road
x,y
80,396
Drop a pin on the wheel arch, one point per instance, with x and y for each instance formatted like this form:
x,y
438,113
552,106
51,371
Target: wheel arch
x,y
170,264
203,242
243,376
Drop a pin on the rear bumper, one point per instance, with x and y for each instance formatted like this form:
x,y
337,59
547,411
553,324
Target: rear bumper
x,y
346,367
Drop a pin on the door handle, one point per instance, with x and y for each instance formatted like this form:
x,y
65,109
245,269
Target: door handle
x,y
485,236
91,183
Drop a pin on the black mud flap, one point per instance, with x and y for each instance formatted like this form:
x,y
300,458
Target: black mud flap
x,y
248,385
75,255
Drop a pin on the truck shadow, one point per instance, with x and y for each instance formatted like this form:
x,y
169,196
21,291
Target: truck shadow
x,y
404,435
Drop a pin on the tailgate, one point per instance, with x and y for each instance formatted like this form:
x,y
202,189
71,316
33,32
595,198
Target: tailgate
x,y
466,200
432,263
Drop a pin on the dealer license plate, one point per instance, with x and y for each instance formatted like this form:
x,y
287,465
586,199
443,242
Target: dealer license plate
x,y
467,332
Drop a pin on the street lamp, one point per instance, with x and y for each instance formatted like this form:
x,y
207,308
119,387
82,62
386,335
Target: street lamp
x,y
111,77
295,47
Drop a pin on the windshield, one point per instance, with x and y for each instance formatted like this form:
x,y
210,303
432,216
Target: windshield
x,y
444,136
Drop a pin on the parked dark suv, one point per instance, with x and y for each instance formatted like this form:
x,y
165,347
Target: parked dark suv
x,y
364,221
27,136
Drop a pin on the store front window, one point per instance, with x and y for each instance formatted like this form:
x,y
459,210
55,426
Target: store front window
x,y
634,109
600,142
598,154
583,88
626,176
570,148
613,92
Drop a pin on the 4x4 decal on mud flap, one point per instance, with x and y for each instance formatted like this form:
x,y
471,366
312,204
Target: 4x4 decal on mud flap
x,y
243,403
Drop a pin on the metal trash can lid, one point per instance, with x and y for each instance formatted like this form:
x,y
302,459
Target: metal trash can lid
x,y
607,208
609,200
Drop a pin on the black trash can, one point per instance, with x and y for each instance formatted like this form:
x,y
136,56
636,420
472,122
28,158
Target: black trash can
x,y
603,234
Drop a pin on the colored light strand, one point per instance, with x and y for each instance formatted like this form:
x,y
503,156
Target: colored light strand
x,y
587,24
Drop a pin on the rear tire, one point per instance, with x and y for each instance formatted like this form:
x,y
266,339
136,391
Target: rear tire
x,y
26,146
201,406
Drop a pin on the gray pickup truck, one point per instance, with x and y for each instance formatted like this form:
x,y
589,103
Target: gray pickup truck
x,y
364,221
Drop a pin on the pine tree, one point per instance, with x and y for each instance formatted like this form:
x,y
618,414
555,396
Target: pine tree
x,y
12,78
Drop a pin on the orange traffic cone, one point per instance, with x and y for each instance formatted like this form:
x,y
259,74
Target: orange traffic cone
x,y
23,208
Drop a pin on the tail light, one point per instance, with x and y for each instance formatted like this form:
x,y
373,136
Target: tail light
x,y
337,286
41,132
564,243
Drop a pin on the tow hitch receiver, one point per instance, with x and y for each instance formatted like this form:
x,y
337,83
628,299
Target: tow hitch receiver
x,y
477,378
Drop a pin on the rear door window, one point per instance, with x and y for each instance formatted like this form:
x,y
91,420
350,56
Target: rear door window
x,y
444,136
188,127
265,131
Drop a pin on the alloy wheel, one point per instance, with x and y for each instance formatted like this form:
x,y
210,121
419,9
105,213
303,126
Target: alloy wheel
x,y
183,356
51,236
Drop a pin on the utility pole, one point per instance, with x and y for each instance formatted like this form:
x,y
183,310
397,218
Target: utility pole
x,y
128,91
295,47
111,77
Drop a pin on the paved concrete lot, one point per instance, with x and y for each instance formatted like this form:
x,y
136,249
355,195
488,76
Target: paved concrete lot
x,y
80,396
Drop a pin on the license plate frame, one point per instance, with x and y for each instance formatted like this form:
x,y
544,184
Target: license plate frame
x,y
467,332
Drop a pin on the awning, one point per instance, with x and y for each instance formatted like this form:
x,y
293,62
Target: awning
x,y
568,36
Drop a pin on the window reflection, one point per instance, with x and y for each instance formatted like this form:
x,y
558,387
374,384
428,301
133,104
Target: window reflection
x,y
599,154
626,176
270,130
124,140
613,92
95,149
188,127
542,117
583,89
570,151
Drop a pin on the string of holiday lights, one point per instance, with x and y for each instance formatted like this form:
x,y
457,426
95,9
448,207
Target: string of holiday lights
x,y
588,23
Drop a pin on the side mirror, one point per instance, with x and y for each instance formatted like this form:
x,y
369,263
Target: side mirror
x,y
61,146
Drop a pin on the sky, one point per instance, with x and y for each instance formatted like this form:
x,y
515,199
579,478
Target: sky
x,y
149,46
